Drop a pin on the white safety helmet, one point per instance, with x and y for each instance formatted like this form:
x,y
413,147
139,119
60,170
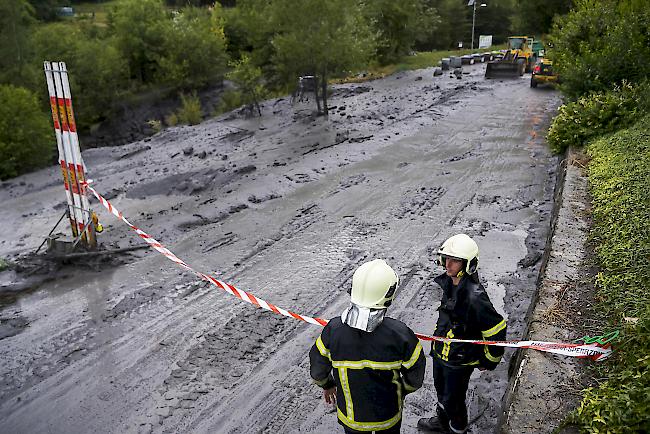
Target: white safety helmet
x,y
373,285
460,247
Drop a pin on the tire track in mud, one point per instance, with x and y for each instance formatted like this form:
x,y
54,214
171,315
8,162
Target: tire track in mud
x,y
249,337
83,339
293,395
417,202
305,217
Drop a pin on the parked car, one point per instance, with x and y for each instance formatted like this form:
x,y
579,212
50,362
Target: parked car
x,y
543,73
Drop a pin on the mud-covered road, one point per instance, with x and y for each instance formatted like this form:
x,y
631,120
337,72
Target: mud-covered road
x,y
286,207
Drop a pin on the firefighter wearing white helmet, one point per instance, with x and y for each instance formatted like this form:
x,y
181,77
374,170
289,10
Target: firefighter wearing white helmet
x,y
366,362
465,312
463,248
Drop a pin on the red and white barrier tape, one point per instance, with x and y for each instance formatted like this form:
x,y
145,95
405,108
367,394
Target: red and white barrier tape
x,y
593,351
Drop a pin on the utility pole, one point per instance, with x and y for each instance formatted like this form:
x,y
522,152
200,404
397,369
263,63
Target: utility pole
x,y
473,20
473,4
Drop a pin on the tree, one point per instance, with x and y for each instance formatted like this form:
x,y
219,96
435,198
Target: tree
x,y
249,80
495,19
97,70
46,10
601,44
398,25
249,31
16,20
318,38
193,50
140,26
26,138
536,17
454,24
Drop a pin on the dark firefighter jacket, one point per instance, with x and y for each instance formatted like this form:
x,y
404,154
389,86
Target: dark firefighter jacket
x,y
372,371
467,313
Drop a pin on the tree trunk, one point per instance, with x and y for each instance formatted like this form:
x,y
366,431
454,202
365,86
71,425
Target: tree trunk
x,y
324,93
316,93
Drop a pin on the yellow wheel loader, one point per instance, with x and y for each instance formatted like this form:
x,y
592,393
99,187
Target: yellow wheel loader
x,y
517,59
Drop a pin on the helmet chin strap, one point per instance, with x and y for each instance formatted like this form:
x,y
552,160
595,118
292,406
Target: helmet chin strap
x,y
460,274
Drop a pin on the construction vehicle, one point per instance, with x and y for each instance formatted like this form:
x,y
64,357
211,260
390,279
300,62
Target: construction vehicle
x,y
517,59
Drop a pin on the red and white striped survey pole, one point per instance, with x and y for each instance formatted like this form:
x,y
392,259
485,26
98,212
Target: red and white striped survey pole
x,y
70,160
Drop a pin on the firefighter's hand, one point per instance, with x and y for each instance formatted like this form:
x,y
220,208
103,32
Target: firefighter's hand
x,y
330,395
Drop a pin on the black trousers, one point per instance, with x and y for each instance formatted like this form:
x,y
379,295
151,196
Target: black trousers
x,y
392,430
451,387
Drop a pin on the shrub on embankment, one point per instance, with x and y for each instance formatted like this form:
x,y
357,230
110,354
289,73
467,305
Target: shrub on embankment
x,y
25,133
619,180
598,113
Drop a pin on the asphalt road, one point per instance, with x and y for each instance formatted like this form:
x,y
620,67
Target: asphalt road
x,y
286,207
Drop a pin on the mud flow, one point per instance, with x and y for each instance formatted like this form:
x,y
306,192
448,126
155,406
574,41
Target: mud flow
x,y
285,206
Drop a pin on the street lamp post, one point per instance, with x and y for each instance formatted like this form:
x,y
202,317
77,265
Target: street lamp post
x,y
473,3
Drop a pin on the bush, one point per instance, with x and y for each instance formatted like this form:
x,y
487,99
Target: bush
x,y
230,100
248,79
601,43
194,50
171,120
597,114
26,138
619,175
190,111
96,68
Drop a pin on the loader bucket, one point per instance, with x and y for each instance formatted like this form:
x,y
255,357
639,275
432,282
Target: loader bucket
x,y
504,69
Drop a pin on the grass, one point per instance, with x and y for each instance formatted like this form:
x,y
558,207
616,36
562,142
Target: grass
x,y
84,11
421,60
619,175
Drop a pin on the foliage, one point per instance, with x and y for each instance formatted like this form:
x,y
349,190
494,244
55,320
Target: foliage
x,y
16,20
248,79
26,141
619,175
597,114
98,71
601,43
190,111
230,99
171,120
536,17
317,38
46,10
193,50
140,27
3,264
496,20
248,31
456,23
397,26
155,125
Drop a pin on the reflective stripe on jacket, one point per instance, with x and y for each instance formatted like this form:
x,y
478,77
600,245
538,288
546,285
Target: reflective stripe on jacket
x,y
372,371
466,312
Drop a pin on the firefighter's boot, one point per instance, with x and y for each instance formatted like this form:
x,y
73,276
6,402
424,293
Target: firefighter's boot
x,y
434,424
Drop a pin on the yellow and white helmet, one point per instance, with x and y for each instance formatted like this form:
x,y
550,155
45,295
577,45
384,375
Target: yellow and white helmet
x,y
374,284
460,247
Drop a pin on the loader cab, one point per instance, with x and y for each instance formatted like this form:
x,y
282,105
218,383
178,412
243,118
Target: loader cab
x,y
522,43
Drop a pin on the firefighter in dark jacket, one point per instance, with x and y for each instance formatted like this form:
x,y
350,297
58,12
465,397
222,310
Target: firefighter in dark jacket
x,y
464,313
366,362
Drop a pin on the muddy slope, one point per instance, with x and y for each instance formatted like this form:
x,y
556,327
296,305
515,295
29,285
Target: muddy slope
x,y
286,206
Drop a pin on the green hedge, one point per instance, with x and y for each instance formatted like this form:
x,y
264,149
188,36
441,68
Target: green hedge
x,y
598,113
619,178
